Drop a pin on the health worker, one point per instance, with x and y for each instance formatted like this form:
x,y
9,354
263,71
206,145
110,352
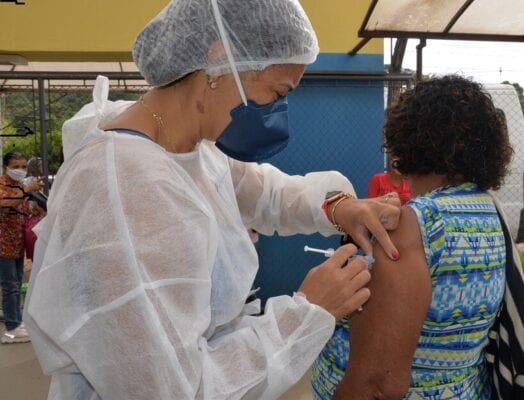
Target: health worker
x,y
143,264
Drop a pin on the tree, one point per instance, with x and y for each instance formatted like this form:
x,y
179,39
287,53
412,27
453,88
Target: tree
x,y
520,92
30,146
21,109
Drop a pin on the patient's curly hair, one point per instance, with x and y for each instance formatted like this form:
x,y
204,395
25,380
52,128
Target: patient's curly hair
x,y
449,126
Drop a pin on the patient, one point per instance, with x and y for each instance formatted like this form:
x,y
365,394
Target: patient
x,y
423,333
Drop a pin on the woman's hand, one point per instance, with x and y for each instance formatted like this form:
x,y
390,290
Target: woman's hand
x,y
34,186
367,218
338,289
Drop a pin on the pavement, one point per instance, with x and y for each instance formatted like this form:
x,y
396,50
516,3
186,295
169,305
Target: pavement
x,y
21,377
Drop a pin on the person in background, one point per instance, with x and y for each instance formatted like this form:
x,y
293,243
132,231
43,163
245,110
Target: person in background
x,y
37,204
37,211
424,332
35,168
389,181
14,211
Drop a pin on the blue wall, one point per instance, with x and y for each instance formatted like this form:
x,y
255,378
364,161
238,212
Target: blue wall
x,y
335,125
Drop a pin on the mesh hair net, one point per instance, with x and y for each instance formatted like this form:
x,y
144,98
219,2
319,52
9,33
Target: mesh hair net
x,y
190,35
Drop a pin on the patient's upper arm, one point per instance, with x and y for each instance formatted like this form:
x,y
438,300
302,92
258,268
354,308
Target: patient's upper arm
x,y
385,334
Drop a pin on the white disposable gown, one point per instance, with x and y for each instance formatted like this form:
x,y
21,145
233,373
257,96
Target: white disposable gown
x,y
143,266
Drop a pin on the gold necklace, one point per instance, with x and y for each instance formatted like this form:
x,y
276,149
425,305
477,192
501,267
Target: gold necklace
x,y
157,117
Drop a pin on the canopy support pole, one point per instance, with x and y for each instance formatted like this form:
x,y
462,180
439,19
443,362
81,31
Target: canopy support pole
x,y
420,46
43,133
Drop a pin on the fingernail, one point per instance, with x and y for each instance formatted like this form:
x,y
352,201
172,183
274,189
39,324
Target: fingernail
x,y
395,255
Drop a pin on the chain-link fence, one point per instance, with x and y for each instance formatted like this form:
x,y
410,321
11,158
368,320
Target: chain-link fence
x,y
511,193
20,116
340,115
336,124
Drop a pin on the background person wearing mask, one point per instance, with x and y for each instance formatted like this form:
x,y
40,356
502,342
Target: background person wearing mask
x,y
37,204
143,263
13,214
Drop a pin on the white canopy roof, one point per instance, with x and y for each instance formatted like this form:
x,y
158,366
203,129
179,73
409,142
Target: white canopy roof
x,y
446,19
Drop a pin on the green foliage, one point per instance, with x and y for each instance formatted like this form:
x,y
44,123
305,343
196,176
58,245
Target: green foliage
x,y
21,109
520,92
30,146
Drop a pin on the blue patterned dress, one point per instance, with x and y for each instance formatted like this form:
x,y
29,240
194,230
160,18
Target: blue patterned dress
x,y
466,254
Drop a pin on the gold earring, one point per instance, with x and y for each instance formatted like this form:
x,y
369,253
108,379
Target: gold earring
x,y
212,84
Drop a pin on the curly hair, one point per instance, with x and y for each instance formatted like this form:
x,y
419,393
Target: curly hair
x,y
449,126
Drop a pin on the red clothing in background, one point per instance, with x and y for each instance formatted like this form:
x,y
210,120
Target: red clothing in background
x,y
12,220
380,184
30,236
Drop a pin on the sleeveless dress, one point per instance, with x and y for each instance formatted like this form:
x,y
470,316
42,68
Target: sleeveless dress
x,y
466,253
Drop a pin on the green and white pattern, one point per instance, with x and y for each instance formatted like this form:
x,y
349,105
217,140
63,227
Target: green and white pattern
x,y
466,254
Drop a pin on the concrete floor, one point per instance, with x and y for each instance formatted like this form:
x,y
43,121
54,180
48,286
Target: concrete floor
x,y
21,377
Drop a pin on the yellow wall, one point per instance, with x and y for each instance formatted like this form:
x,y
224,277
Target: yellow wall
x,y
84,30
104,30
337,23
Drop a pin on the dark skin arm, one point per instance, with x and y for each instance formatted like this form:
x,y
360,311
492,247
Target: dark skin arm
x,y
384,336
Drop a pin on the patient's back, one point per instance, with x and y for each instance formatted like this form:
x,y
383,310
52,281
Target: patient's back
x,y
466,254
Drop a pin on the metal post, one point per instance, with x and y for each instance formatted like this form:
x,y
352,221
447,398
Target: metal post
x,y
420,46
43,133
396,68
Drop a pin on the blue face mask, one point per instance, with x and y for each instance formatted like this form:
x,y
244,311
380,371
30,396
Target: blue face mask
x,y
256,132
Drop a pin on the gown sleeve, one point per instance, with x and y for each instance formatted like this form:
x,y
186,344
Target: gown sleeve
x,y
119,304
271,200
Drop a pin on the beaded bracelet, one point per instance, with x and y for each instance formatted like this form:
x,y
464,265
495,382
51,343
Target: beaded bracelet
x,y
346,196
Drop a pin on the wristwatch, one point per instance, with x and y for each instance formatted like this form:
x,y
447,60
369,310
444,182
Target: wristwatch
x,y
335,197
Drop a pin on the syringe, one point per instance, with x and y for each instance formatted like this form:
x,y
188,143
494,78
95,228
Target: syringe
x,y
327,253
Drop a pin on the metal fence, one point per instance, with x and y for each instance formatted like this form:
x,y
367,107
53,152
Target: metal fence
x,y
33,109
511,193
336,122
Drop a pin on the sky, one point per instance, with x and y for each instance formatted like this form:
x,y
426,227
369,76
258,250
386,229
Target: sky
x,y
486,62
